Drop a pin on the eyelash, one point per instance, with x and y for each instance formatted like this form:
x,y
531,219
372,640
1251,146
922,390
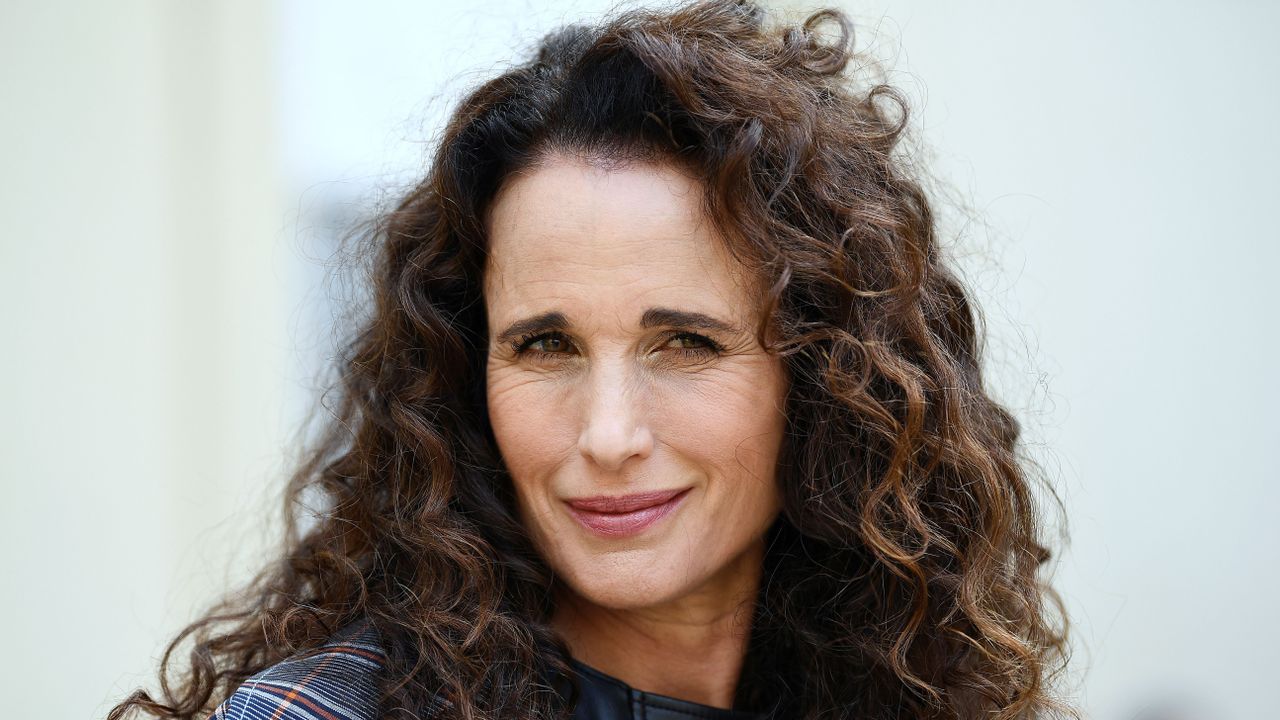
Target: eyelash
x,y
711,347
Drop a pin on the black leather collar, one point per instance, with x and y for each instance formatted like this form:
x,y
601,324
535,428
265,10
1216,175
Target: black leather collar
x,y
605,697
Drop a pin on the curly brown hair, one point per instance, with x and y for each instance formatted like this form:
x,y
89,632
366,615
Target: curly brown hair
x,y
900,579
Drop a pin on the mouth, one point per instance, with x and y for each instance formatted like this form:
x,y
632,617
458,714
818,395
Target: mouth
x,y
626,515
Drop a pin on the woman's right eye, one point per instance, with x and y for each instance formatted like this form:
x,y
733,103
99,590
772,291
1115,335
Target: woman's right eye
x,y
553,343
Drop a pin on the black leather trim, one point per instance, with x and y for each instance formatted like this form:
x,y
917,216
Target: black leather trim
x,y
604,697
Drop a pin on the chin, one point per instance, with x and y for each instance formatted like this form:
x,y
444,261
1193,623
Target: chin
x,y
624,595
619,584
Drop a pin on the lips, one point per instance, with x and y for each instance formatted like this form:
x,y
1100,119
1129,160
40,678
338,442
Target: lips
x,y
623,503
625,515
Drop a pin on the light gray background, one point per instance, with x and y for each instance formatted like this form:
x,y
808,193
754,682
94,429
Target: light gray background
x,y
170,169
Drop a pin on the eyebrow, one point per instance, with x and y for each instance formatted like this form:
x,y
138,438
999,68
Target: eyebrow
x,y
554,320
653,317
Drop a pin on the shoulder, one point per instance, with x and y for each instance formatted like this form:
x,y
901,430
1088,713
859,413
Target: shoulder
x,y
337,681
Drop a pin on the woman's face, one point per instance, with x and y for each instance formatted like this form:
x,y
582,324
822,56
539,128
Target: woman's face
x,y
623,372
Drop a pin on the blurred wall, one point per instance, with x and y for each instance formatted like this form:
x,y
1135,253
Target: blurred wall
x,y
145,352
173,169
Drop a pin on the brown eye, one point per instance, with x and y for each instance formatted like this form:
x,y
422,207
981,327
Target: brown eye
x,y
694,345
687,341
553,343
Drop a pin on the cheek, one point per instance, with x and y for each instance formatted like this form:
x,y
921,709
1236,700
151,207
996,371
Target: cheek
x,y
732,428
531,428
733,422
535,438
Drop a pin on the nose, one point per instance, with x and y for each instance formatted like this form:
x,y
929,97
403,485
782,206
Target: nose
x,y
614,426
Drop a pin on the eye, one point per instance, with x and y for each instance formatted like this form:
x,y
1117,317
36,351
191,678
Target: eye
x,y
693,345
553,343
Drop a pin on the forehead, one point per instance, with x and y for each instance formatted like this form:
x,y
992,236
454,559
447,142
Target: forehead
x,y
569,229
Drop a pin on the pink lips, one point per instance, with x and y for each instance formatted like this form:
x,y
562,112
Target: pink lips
x,y
625,515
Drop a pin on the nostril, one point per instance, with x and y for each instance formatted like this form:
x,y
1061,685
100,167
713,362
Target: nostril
x,y
610,444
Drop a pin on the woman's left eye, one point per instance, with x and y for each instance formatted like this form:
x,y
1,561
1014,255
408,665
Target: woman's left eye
x,y
694,345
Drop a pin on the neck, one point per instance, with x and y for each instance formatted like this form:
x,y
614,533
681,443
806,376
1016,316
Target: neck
x,y
691,648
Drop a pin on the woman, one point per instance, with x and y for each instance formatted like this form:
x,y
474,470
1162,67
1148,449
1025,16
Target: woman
x,y
667,406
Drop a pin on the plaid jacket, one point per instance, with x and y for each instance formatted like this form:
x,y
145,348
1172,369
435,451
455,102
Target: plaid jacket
x,y
340,681
336,681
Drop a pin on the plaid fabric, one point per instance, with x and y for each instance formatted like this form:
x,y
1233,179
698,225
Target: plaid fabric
x,y
336,681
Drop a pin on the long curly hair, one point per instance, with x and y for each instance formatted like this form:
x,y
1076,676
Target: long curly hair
x,y
901,578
